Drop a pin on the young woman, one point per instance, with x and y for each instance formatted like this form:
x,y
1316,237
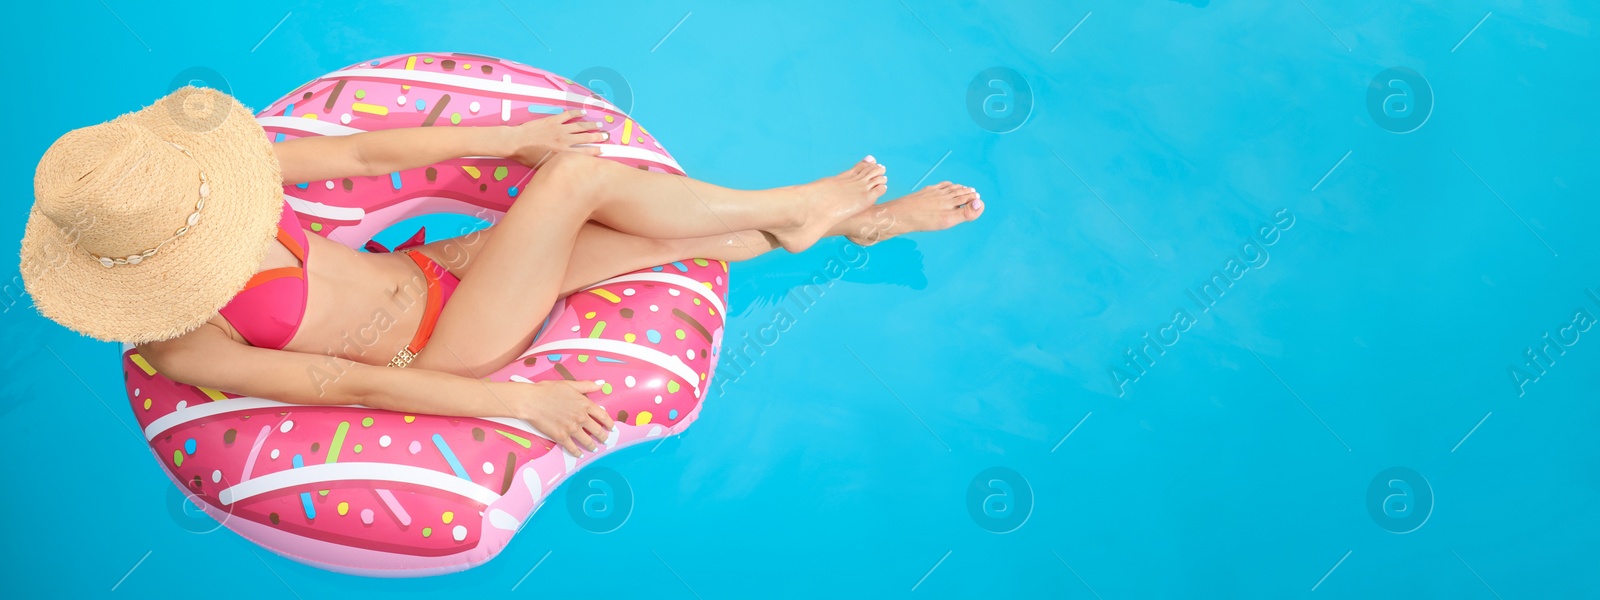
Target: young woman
x,y
145,229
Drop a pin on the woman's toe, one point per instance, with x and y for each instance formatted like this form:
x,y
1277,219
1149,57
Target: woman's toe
x,y
973,209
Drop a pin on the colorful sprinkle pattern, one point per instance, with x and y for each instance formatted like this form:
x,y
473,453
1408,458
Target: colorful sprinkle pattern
x,y
371,492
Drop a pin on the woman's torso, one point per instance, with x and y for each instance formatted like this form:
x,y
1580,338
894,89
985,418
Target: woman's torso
x,y
360,306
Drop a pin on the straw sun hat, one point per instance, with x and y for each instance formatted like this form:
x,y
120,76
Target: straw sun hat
x,y
144,226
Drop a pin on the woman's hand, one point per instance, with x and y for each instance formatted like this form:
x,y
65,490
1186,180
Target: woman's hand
x,y
560,410
534,142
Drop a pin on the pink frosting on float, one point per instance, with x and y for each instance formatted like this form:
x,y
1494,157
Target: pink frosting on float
x,y
372,492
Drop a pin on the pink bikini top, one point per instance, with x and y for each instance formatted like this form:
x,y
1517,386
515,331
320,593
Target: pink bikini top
x,y
269,310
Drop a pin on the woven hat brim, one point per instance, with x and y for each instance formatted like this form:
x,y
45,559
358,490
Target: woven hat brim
x,y
191,278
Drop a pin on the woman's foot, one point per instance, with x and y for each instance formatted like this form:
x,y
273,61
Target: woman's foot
x,y
931,208
822,204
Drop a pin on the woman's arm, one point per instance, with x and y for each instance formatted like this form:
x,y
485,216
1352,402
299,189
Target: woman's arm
x,y
208,357
389,150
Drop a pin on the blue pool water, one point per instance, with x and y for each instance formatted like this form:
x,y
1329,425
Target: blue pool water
x,y
1347,411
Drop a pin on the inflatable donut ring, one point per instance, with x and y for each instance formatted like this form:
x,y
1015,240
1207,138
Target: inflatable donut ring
x,y
372,492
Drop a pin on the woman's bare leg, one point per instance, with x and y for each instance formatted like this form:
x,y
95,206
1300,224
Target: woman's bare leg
x,y
519,271
657,205
601,252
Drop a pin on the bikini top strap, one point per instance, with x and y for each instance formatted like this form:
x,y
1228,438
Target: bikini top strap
x,y
291,235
